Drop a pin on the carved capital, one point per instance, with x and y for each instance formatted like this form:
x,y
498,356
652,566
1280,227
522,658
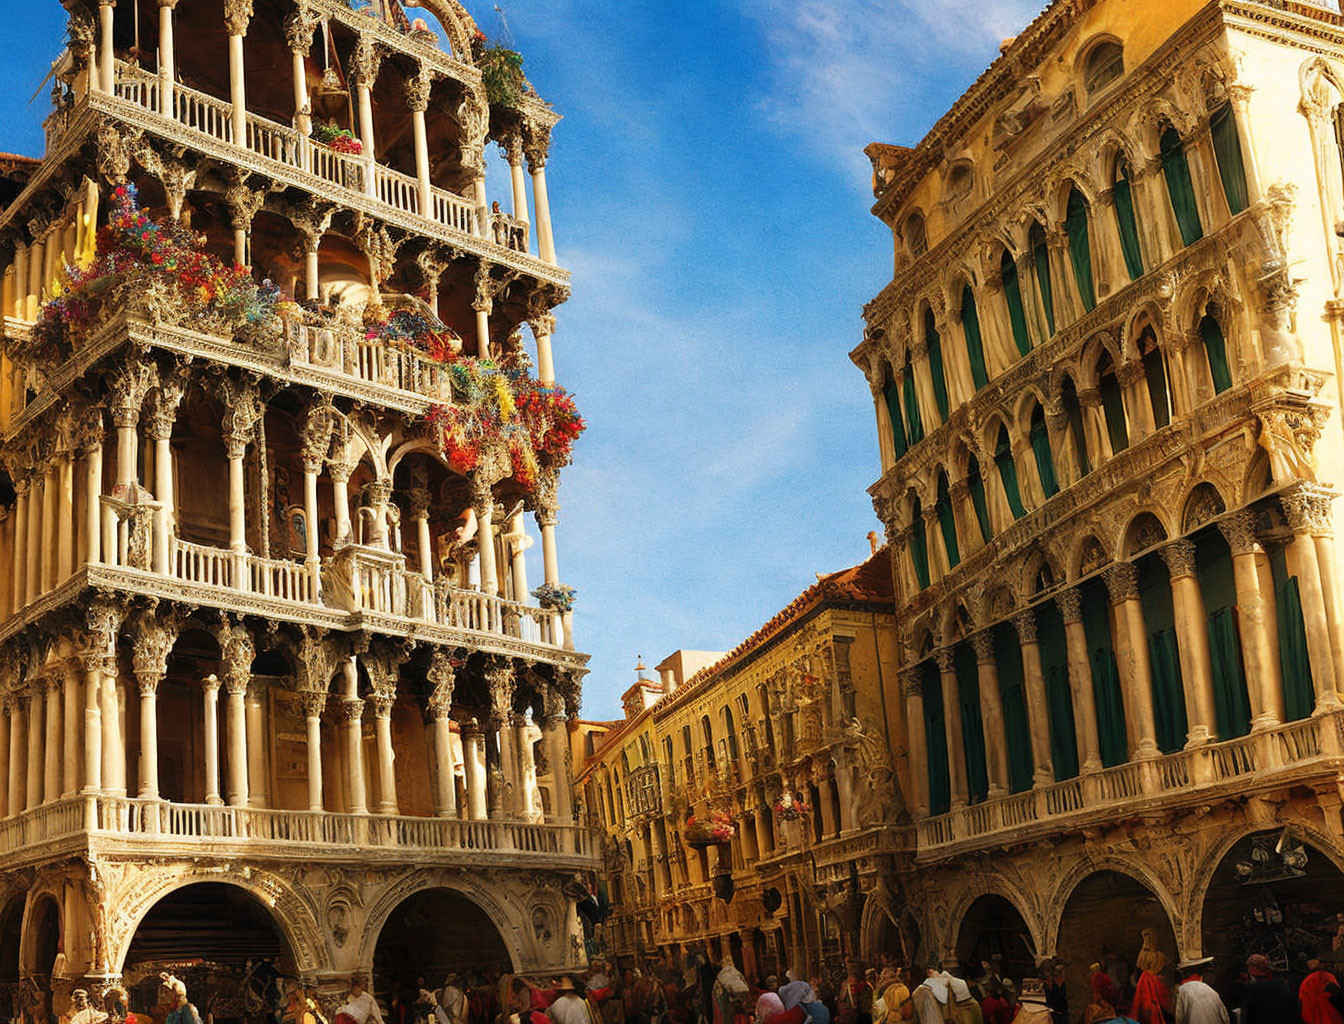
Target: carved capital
x,y
984,648
442,677
1025,624
382,702
1070,605
315,436
912,684
163,410
537,145
1308,508
366,61
127,384
299,26
418,88
311,219
943,656
1122,582
313,702
152,640
1239,531
237,651
237,15
1180,558
242,412
350,710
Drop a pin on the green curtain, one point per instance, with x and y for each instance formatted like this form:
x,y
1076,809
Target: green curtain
x,y
972,726
976,484
1016,727
1003,459
1012,294
914,425
1298,699
935,741
947,522
1216,349
919,548
970,324
1129,228
1040,254
1227,151
935,347
1040,447
1080,249
892,393
1217,585
1180,189
1058,696
1164,659
1155,372
1111,736
1069,399
1113,407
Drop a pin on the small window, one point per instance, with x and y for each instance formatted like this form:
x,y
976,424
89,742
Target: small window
x,y
959,181
1104,65
915,239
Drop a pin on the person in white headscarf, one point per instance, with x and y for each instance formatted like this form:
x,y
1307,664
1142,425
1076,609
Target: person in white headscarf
x,y
930,997
967,1009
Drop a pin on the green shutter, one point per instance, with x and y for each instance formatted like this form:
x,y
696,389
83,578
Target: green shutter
x,y
1227,151
919,548
935,740
972,726
976,484
1080,249
1155,372
1299,700
1216,349
1058,696
1217,584
947,523
1113,406
1040,254
1040,447
1016,727
1163,654
1129,228
914,425
1180,189
1069,399
1111,736
1003,459
1012,295
934,344
892,393
970,325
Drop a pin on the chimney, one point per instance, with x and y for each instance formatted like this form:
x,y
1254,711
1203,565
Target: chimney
x,y
872,542
669,678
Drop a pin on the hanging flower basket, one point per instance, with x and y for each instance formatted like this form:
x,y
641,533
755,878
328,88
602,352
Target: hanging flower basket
x,y
341,140
718,830
556,596
791,808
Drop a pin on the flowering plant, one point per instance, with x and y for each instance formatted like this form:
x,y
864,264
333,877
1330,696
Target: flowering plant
x,y
559,596
791,808
718,829
501,73
342,140
138,259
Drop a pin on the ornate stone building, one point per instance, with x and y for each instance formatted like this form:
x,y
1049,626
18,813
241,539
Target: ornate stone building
x,y
272,683
1107,383
788,737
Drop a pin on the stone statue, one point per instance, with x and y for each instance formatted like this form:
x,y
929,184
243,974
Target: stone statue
x,y
81,1012
180,1011
873,796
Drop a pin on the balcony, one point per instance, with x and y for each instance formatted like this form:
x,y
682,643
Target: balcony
x,y
130,826
282,153
1286,755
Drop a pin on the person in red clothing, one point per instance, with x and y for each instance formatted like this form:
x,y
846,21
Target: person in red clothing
x,y
1152,998
997,1006
1319,995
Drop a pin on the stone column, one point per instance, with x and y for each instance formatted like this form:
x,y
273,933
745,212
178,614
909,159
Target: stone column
x,y
1038,705
1307,511
501,686
555,736
313,702
22,541
47,538
6,712
19,309
484,503
299,27
418,501
36,537
352,713
258,788
1080,681
364,67
312,456
17,706
417,102
72,717
956,756
512,144
235,686
163,413
114,741
484,304
1097,437
91,451
1138,402
106,65
237,15
991,715
1240,96
339,470
65,514
473,766
33,775
242,413
1257,620
167,61
913,690
526,768
382,701
53,734
1192,633
537,144
1131,655
442,676
210,701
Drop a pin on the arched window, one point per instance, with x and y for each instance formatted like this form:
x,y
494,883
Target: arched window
x,y
1040,448
970,325
919,544
1012,694
915,239
1012,295
1299,699
959,181
1124,219
1216,350
975,483
1104,65
1164,658
1155,371
1040,255
914,426
1003,459
1106,692
708,730
1112,403
935,739
1181,191
1068,398
891,393
934,344
1217,584
1054,654
947,522
1227,151
972,726
1080,248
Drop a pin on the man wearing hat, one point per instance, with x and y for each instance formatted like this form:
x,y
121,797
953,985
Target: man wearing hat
x,y
1196,1002
1033,1009
1319,995
569,1006
1268,999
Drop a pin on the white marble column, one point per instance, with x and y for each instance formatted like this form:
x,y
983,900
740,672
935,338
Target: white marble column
x,y
442,676
50,492
913,689
1038,707
36,538
17,704
299,27
417,101
352,714
555,737
485,539
312,703
19,309
991,716
53,737
1131,656
1192,641
65,515
210,703
22,541
6,710
382,702
149,735
258,784
167,59
33,697
162,415
114,740
237,15
956,755
1307,510
92,532
106,67
537,151
513,151
543,327
235,685
473,766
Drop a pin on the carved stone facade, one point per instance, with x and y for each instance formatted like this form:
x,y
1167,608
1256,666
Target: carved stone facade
x,y
1104,377
270,657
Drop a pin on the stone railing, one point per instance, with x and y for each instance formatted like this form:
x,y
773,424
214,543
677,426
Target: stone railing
x,y
1276,755
277,832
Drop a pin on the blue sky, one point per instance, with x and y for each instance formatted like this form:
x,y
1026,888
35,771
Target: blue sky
x,y
710,194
